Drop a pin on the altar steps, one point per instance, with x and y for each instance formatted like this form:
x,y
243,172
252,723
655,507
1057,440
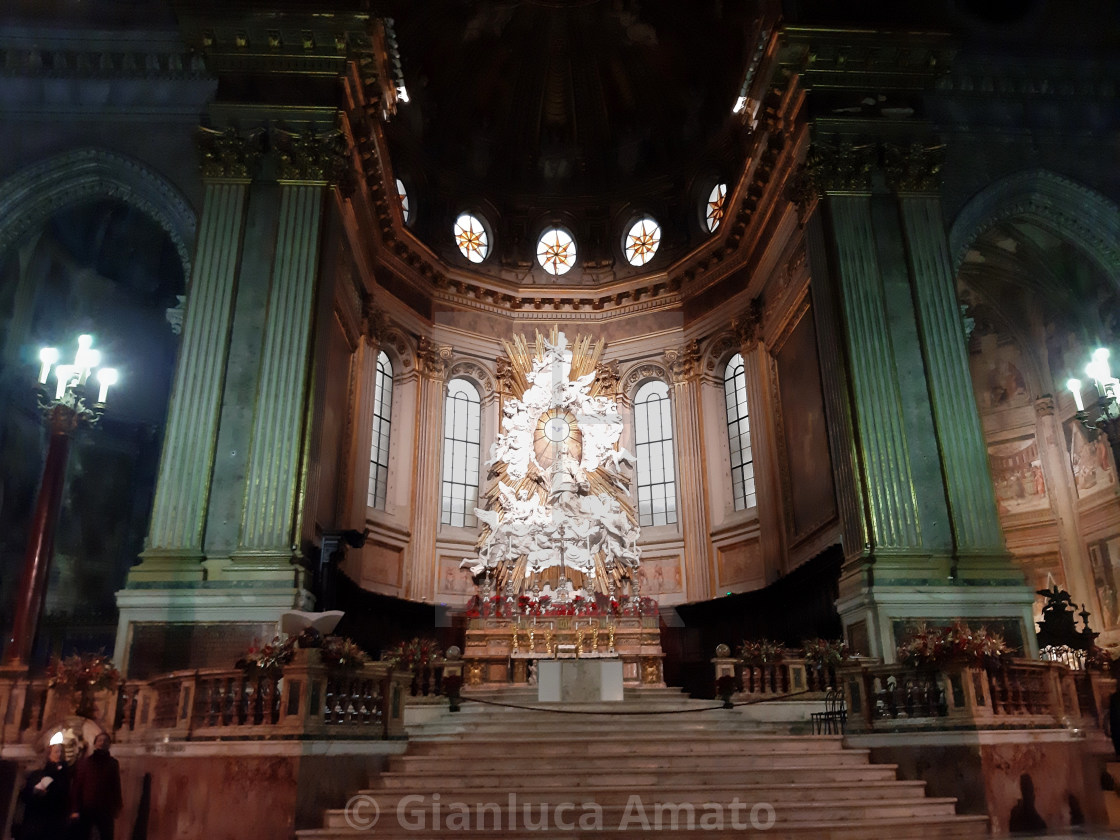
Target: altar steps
x,y
706,761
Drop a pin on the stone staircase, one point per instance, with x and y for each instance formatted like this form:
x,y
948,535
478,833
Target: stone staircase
x,y
496,772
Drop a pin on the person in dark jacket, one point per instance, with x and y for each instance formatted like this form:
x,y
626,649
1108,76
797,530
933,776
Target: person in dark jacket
x,y
46,800
95,794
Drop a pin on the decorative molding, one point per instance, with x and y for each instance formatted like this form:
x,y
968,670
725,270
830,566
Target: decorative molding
x,y
504,376
1079,213
33,194
375,325
683,362
747,327
229,154
472,370
311,156
915,168
607,377
92,63
395,342
1044,406
642,372
432,359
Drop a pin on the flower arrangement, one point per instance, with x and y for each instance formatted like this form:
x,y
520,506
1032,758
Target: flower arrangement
x,y
1098,659
268,659
761,652
82,676
412,655
824,653
936,647
341,652
497,606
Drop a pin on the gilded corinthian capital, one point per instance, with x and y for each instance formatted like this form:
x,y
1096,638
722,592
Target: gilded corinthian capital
x,y
228,154
841,166
683,362
310,156
432,358
913,169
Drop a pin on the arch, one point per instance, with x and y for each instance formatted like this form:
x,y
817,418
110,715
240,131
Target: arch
x,y
479,376
30,196
638,374
721,348
1079,214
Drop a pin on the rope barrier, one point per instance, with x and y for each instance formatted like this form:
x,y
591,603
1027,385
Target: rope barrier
x,y
464,699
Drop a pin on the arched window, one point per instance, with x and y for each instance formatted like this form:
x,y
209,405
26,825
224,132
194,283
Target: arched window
x,y
379,448
739,433
461,418
653,442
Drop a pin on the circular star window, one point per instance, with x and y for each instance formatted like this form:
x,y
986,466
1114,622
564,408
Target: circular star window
x,y
402,194
472,238
642,240
556,251
713,210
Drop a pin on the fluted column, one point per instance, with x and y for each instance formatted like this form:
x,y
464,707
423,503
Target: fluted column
x,y
269,515
889,485
174,543
964,456
684,369
1062,492
420,565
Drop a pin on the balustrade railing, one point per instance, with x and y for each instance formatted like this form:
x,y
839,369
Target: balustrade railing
x,y
306,699
1020,693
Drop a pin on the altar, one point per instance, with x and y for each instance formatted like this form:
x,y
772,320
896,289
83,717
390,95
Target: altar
x,y
579,680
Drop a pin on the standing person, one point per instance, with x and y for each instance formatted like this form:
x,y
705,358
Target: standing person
x,y
95,794
46,799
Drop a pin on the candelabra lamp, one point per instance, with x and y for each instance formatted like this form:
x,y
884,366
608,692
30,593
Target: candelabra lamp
x,y
1106,409
64,408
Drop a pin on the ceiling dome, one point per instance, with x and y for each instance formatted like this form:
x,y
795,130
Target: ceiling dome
x,y
579,108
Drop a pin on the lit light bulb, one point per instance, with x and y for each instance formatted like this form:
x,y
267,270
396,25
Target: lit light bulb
x,y
1074,386
1100,359
106,377
48,356
62,376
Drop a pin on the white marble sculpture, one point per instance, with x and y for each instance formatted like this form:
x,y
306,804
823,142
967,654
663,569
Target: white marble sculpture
x,y
559,443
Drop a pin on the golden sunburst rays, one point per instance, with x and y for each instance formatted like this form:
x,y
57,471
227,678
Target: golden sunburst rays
x,y
521,354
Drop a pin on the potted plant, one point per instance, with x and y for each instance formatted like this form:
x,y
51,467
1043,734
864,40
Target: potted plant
x,y
82,677
341,652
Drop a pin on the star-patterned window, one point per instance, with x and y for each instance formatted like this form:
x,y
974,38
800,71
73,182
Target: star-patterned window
x,y
713,210
642,240
556,251
402,194
472,238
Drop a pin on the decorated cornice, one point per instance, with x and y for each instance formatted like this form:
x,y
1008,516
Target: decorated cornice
x,y
229,154
915,168
683,362
474,371
641,372
432,359
311,156
607,377
865,59
96,63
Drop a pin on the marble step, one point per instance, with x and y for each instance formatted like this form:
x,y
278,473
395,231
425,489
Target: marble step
x,y
624,743
730,763
450,779
943,828
764,790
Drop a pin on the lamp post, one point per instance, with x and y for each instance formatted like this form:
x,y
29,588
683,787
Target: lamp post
x,y
64,412
1108,393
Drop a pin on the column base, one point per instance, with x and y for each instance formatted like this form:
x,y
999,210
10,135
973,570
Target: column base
x,y
278,567
166,566
208,625
881,597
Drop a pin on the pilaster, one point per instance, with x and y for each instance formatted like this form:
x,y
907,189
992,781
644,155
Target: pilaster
x,y
420,564
964,457
174,544
758,369
684,370
369,348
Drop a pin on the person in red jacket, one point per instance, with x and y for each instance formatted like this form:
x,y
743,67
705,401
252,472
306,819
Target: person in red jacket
x,y
95,793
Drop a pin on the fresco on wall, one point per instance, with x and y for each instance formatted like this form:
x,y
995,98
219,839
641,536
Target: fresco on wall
x,y
811,499
1105,559
1090,458
1017,475
997,373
